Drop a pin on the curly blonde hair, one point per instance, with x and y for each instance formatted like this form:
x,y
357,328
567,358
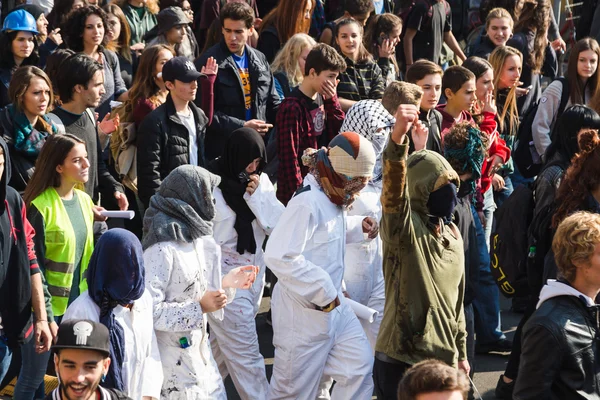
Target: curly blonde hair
x,y
286,60
575,241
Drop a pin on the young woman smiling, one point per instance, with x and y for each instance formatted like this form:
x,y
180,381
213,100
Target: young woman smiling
x,y
362,78
582,84
63,218
498,30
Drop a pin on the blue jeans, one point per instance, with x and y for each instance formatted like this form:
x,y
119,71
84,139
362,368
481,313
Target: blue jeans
x,y
487,295
5,358
30,384
518,179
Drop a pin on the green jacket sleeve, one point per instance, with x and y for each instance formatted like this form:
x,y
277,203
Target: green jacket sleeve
x,y
395,202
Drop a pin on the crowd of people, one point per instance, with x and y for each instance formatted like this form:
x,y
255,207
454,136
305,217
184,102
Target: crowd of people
x,y
164,164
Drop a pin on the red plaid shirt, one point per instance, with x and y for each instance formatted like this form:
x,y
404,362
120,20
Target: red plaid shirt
x,y
295,133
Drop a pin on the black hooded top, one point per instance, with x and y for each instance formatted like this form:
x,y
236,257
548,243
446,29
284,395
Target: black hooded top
x,y
17,261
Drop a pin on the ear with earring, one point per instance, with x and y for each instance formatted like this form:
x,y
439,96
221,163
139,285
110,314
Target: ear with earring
x,y
103,378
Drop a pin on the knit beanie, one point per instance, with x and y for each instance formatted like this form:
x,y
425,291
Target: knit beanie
x,y
352,155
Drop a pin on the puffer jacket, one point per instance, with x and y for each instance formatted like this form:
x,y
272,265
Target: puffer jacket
x,y
424,272
162,146
559,356
229,102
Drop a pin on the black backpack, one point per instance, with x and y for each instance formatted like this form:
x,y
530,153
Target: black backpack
x,y
525,155
509,243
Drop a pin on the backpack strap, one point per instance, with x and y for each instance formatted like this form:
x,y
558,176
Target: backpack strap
x,y
564,97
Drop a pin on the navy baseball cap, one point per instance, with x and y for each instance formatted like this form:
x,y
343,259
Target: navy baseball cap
x,y
181,69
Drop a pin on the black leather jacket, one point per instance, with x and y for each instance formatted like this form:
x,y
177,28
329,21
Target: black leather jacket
x,y
163,145
229,102
559,356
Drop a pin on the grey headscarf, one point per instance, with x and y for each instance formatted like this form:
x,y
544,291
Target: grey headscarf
x,y
183,209
371,120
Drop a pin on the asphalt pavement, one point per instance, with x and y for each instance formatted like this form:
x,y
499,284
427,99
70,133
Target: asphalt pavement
x,y
487,367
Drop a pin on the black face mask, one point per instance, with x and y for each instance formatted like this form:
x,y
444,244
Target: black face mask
x,y
466,188
441,204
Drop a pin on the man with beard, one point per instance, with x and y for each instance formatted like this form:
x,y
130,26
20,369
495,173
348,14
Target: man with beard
x,y
316,333
81,360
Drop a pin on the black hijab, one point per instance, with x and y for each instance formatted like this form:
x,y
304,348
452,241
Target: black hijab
x,y
243,146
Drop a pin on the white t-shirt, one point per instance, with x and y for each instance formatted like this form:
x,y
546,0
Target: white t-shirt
x,y
190,124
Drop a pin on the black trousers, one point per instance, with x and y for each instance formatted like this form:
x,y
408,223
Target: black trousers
x,y
387,376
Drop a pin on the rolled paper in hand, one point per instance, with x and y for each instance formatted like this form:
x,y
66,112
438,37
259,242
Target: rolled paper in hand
x,y
128,214
363,312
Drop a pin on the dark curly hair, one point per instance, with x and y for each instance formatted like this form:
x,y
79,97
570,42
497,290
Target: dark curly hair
x,y
7,60
567,127
581,178
75,26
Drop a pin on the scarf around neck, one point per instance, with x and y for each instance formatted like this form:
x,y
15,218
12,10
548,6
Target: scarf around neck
x,y
243,146
116,277
183,209
28,139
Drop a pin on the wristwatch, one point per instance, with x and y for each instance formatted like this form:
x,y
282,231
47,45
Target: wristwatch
x,y
331,306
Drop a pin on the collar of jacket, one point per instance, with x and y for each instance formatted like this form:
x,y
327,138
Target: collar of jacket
x,y
172,113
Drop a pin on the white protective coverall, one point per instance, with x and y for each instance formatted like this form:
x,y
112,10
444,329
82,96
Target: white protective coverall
x,y
363,275
177,276
234,339
306,252
142,369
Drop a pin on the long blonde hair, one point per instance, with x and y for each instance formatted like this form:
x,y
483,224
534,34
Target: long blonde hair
x,y
497,59
286,60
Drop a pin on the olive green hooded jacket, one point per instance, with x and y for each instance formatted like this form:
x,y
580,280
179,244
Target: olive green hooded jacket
x,y
424,272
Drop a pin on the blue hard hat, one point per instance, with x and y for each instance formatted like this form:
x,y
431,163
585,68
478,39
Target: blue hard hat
x,y
20,20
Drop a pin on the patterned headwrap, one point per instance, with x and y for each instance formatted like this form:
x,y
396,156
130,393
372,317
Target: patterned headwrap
x,y
343,168
372,121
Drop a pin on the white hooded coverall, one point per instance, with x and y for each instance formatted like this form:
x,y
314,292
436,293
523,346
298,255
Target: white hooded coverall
x,y
234,339
177,276
306,252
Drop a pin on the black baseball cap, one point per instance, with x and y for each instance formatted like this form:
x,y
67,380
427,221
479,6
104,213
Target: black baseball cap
x,y
180,68
83,334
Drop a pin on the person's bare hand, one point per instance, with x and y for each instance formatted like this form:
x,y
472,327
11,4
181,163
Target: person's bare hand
x,y
498,182
419,135
559,44
496,164
329,89
97,216
464,366
122,201
252,184
54,331
240,277
482,218
406,115
43,337
489,103
213,301
521,91
138,47
386,48
55,36
108,125
258,125
211,67
370,227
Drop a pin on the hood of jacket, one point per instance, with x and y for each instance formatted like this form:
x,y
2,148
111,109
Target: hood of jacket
x,y
427,171
5,178
554,288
